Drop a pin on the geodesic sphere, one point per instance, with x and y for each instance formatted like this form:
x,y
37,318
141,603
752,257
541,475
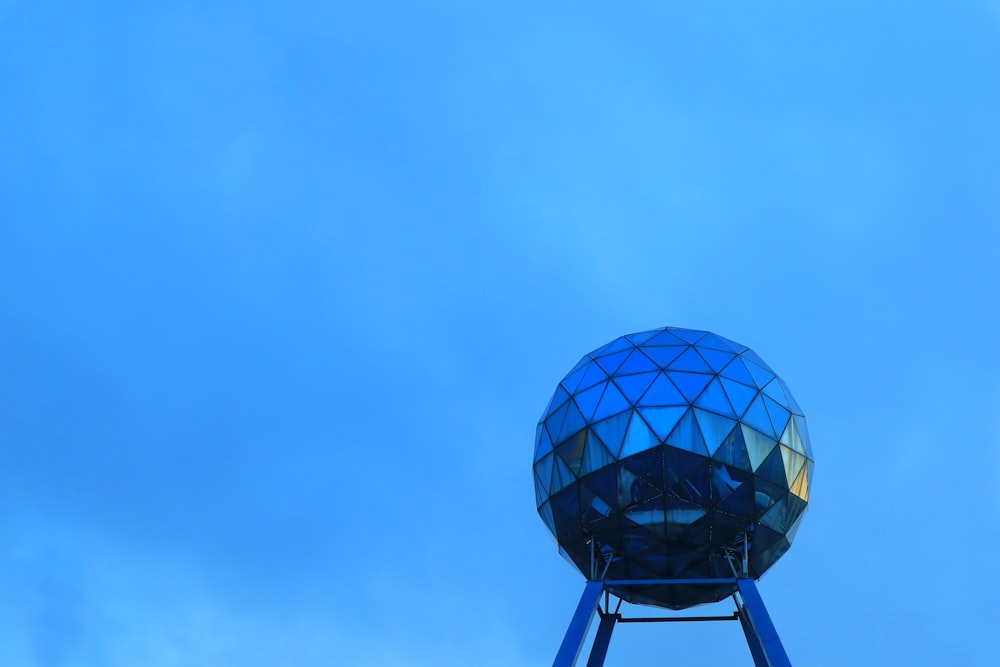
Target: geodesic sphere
x,y
672,454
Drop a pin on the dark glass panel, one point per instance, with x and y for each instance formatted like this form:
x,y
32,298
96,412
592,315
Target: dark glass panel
x,y
713,428
715,399
733,451
612,431
634,386
611,362
662,356
541,490
690,384
561,475
637,362
662,420
662,392
611,403
689,360
766,494
603,482
587,399
677,463
777,518
544,471
545,511
772,469
739,502
716,359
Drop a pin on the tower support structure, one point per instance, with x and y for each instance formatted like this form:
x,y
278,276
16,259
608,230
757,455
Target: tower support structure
x,y
762,638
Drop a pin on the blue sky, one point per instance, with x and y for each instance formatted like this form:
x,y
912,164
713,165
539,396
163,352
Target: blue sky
x,y
284,288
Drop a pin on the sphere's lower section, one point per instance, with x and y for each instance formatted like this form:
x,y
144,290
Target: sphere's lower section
x,y
672,455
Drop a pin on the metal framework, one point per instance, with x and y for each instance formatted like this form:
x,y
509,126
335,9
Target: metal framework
x,y
762,638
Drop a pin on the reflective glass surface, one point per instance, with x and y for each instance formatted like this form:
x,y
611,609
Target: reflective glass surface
x,y
671,449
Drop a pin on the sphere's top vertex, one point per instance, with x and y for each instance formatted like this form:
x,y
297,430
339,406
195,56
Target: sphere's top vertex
x,y
672,454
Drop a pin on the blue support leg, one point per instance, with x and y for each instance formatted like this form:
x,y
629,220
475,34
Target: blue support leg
x,y
579,625
602,641
761,636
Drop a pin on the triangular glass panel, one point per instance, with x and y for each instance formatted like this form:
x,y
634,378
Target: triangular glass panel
x,y
662,356
739,395
665,337
776,518
662,392
617,345
737,370
756,417
593,375
639,438
711,341
713,428
633,489
761,376
662,420
611,403
571,451
637,362
572,381
572,421
588,399
595,454
545,511
543,444
790,401
790,438
690,360
642,336
611,362
751,356
647,464
561,476
715,399
695,486
773,469
765,495
800,486
634,386
717,359
603,482
779,415
612,431
541,491
544,471
758,445
678,464
687,436
800,425
688,335
690,384
796,508
733,451
794,462
776,391
557,401
724,482
739,502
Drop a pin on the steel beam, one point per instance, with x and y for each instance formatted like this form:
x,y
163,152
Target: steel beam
x,y
765,645
579,625
602,641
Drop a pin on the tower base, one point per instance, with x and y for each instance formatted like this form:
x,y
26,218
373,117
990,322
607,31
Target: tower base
x,y
762,638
